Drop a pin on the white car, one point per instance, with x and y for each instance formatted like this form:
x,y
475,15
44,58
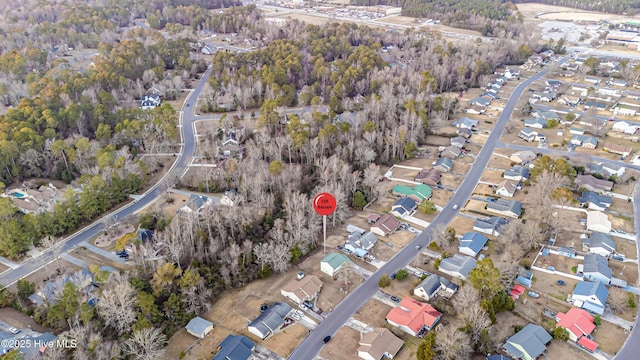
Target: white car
x,y
14,330
455,207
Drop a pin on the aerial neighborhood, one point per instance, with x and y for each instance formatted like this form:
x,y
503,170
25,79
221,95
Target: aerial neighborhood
x,y
236,180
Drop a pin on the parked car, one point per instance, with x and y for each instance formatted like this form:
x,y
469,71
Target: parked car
x,y
395,299
393,276
455,207
533,294
308,304
326,339
14,330
561,282
418,247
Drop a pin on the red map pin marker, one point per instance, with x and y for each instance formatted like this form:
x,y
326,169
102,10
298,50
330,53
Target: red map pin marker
x,y
324,204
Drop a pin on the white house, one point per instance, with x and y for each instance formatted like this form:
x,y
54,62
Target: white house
x,y
598,221
507,188
332,263
591,296
305,289
599,243
626,127
472,243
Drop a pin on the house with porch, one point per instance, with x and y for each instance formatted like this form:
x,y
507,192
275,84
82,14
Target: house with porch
x,y
413,317
595,201
433,285
510,208
528,343
379,344
599,243
580,325
384,225
591,296
490,225
429,177
472,243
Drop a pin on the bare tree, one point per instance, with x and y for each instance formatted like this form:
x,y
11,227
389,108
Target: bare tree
x,y
618,300
452,344
146,344
440,236
117,302
467,294
475,319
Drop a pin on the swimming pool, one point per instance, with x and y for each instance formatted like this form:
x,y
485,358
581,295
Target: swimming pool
x,y
18,195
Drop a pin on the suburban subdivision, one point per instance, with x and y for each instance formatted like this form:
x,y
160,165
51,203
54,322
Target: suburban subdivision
x,y
162,163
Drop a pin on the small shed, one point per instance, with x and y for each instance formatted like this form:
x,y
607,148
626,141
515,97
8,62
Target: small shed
x,y
567,252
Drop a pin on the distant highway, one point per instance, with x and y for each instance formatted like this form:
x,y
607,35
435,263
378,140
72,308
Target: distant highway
x,y
313,344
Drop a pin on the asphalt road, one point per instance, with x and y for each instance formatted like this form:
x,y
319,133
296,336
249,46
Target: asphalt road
x,y
312,345
184,158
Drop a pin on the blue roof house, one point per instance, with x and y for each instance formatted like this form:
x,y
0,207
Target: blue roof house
x,y
472,243
595,201
596,268
404,206
270,320
528,343
591,296
235,347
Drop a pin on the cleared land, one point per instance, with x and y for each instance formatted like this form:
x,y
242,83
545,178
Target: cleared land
x,y
531,11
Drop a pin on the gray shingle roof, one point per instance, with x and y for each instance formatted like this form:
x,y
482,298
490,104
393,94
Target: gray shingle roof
x,y
532,338
198,325
271,318
597,264
506,205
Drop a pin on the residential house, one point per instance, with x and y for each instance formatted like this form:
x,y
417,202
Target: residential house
x,y
626,127
623,110
592,122
545,115
465,123
207,50
457,266
591,296
595,201
617,149
554,84
385,225
443,164
592,80
82,279
360,243
464,132
229,197
507,188
525,156
413,316
528,343
599,243
497,357
418,193
576,131
569,100
491,94
458,141
403,206
516,173
544,96
591,183
150,102
433,285
510,208
585,141
451,152
525,277
536,123
197,204
474,109
490,225
516,291
429,177
528,134
472,243
332,263
199,327
235,347
613,169
579,323
595,268
270,320
598,221
230,146
480,101
305,289
378,344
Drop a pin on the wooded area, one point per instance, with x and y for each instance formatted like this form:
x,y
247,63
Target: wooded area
x,y
77,126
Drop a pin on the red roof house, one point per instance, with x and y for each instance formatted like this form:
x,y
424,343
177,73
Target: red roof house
x,y
578,322
413,316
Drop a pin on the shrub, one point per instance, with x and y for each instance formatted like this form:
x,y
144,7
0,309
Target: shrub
x,y
526,263
560,334
402,274
385,280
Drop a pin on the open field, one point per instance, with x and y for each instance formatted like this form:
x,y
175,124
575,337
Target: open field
x,y
308,18
400,20
463,225
373,313
49,272
531,11
626,247
91,258
492,176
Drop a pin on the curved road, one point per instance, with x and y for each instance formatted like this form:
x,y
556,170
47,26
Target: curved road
x,y
187,150
312,345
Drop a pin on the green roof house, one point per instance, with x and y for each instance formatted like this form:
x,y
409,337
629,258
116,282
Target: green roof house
x,y
419,192
332,263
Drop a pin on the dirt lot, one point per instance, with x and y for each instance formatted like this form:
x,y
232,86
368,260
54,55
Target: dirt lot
x,y
531,10
477,208
621,222
610,337
492,176
373,313
460,167
478,138
169,203
622,206
626,247
463,225
560,263
450,180
483,190
626,271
